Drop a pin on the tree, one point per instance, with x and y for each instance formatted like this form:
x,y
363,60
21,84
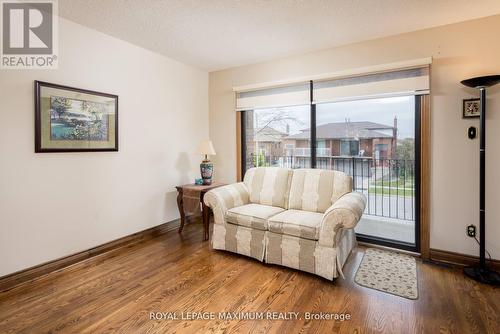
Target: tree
x,y
405,149
96,128
95,109
276,118
405,153
60,105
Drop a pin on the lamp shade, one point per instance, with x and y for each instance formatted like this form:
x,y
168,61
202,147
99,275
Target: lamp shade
x,y
478,82
206,148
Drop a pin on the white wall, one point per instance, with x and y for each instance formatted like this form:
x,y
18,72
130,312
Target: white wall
x,y
460,51
52,205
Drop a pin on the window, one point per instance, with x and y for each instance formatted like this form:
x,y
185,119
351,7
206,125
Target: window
x,y
381,151
277,137
373,140
365,126
349,147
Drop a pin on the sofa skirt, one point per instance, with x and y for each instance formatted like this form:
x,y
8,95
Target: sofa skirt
x,y
285,250
239,239
308,255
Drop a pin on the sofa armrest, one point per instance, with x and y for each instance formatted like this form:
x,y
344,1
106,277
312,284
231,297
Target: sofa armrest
x,y
224,198
344,213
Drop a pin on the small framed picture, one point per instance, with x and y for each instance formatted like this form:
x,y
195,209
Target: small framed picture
x,y
471,108
70,119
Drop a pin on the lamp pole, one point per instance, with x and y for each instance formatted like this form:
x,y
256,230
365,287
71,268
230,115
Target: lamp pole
x,y
482,273
482,174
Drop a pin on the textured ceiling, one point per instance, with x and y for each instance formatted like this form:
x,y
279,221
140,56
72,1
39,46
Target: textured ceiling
x,y
218,34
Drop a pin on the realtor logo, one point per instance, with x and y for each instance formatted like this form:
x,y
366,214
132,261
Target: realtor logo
x,y
29,31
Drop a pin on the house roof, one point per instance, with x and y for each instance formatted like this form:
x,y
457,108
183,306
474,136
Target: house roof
x,y
343,130
269,134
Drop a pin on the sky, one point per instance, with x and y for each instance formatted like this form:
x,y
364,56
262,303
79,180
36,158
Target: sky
x,y
381,111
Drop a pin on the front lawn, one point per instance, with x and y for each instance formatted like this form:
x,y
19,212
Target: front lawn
x,y
400,187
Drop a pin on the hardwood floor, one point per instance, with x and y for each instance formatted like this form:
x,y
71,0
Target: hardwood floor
x,y
176,273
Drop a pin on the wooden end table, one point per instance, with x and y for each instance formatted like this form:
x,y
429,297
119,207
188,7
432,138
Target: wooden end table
x,y
201,190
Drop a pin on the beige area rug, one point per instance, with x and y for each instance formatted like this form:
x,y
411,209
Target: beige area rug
x,y
389,272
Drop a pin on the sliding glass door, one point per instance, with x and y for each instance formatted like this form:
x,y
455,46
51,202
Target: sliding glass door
x,y
374,141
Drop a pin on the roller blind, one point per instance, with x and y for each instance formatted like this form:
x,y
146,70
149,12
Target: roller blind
x,y
290,95
414,81
385,82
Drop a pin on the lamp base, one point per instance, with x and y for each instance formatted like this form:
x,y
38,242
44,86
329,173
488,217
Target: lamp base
x,y
483,275
206,170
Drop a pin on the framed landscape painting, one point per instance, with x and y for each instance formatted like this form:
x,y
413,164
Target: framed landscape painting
x,y
74,120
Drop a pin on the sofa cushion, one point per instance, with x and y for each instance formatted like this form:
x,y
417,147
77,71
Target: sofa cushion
x,y
252,215
268,185
304,224
316,189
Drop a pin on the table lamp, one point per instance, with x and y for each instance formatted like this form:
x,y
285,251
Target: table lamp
x,y
206,167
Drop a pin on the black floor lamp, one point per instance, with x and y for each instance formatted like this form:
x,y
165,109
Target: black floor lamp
x,y
482,273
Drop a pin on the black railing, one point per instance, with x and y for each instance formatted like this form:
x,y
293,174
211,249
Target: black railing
x,y
388,184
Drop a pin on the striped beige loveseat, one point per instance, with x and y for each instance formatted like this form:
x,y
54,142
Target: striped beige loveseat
x,y
302,218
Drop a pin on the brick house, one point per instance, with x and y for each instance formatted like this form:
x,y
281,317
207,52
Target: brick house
x,y
364,139
268,141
